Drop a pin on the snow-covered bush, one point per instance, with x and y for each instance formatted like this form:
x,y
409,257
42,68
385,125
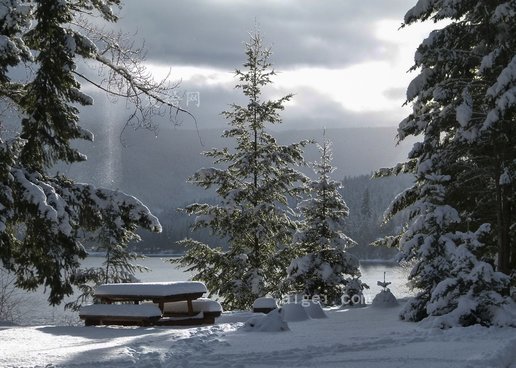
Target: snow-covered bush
x,y
271,322
354,292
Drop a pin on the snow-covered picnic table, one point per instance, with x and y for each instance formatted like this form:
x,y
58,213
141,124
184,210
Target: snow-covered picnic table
x,y
178,295
157,292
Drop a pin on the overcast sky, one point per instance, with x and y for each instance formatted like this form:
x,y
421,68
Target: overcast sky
x,y
345,60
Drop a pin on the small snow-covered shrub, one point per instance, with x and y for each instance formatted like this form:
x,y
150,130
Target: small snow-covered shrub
x,y
353,292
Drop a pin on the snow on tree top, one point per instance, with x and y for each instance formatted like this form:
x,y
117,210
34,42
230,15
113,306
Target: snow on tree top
x,y
151,288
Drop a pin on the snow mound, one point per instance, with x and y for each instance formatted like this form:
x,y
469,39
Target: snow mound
x,y
315,310
265,303
237,317
271,322
503,356
385,299
293,312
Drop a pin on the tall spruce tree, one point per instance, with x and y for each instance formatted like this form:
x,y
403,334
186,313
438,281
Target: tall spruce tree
x,y
463,106
323,267
44,218
254,184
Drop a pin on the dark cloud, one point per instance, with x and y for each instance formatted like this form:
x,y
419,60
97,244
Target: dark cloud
x,y
331,33
323,34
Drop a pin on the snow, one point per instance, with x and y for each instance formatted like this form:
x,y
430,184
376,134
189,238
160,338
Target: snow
x,y
355,337
464,111
293,312
314,310
84,99
151,288
265,302
421,7
504,92
488,61
419,83
198,305
384,299
502,13
271,322
121,310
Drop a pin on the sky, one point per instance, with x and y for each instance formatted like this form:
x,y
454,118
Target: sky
x,y
345,61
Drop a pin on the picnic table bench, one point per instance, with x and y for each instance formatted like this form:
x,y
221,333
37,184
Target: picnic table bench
x,y
210,309
114,314
159,293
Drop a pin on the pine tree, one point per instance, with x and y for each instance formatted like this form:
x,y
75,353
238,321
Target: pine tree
x,y
323,267
254,185
119,265
462,107
46,218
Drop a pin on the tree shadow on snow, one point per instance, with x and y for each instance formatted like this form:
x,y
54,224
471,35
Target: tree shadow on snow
x,y
99,332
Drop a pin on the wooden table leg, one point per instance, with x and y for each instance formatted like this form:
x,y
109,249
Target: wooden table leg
x,y
190,307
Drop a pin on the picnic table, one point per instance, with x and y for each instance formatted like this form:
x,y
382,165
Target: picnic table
x,y
162,294
157,292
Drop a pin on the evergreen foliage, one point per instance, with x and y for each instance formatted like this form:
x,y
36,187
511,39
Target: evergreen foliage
x,y
254,184
44,218
323,265
460,206
118,266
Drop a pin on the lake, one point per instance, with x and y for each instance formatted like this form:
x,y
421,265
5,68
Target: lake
x,y
36,311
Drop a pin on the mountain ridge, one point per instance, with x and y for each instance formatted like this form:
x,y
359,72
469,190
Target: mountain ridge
x,y
155,168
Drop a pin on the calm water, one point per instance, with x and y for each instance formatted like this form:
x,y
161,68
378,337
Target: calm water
x,y
35,309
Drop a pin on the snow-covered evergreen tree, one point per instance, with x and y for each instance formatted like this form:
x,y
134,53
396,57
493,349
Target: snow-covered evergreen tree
x,y
119,264
254,183
463,106
323,266
44,218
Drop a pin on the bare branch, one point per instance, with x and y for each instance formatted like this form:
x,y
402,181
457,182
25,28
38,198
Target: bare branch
x,y
123,74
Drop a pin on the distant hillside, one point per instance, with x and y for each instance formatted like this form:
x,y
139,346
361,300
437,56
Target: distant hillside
x,y
155,168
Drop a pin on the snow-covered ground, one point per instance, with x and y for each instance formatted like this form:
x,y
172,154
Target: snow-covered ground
x,y
355,337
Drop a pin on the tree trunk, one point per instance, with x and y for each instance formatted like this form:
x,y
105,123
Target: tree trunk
x,y
503,213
